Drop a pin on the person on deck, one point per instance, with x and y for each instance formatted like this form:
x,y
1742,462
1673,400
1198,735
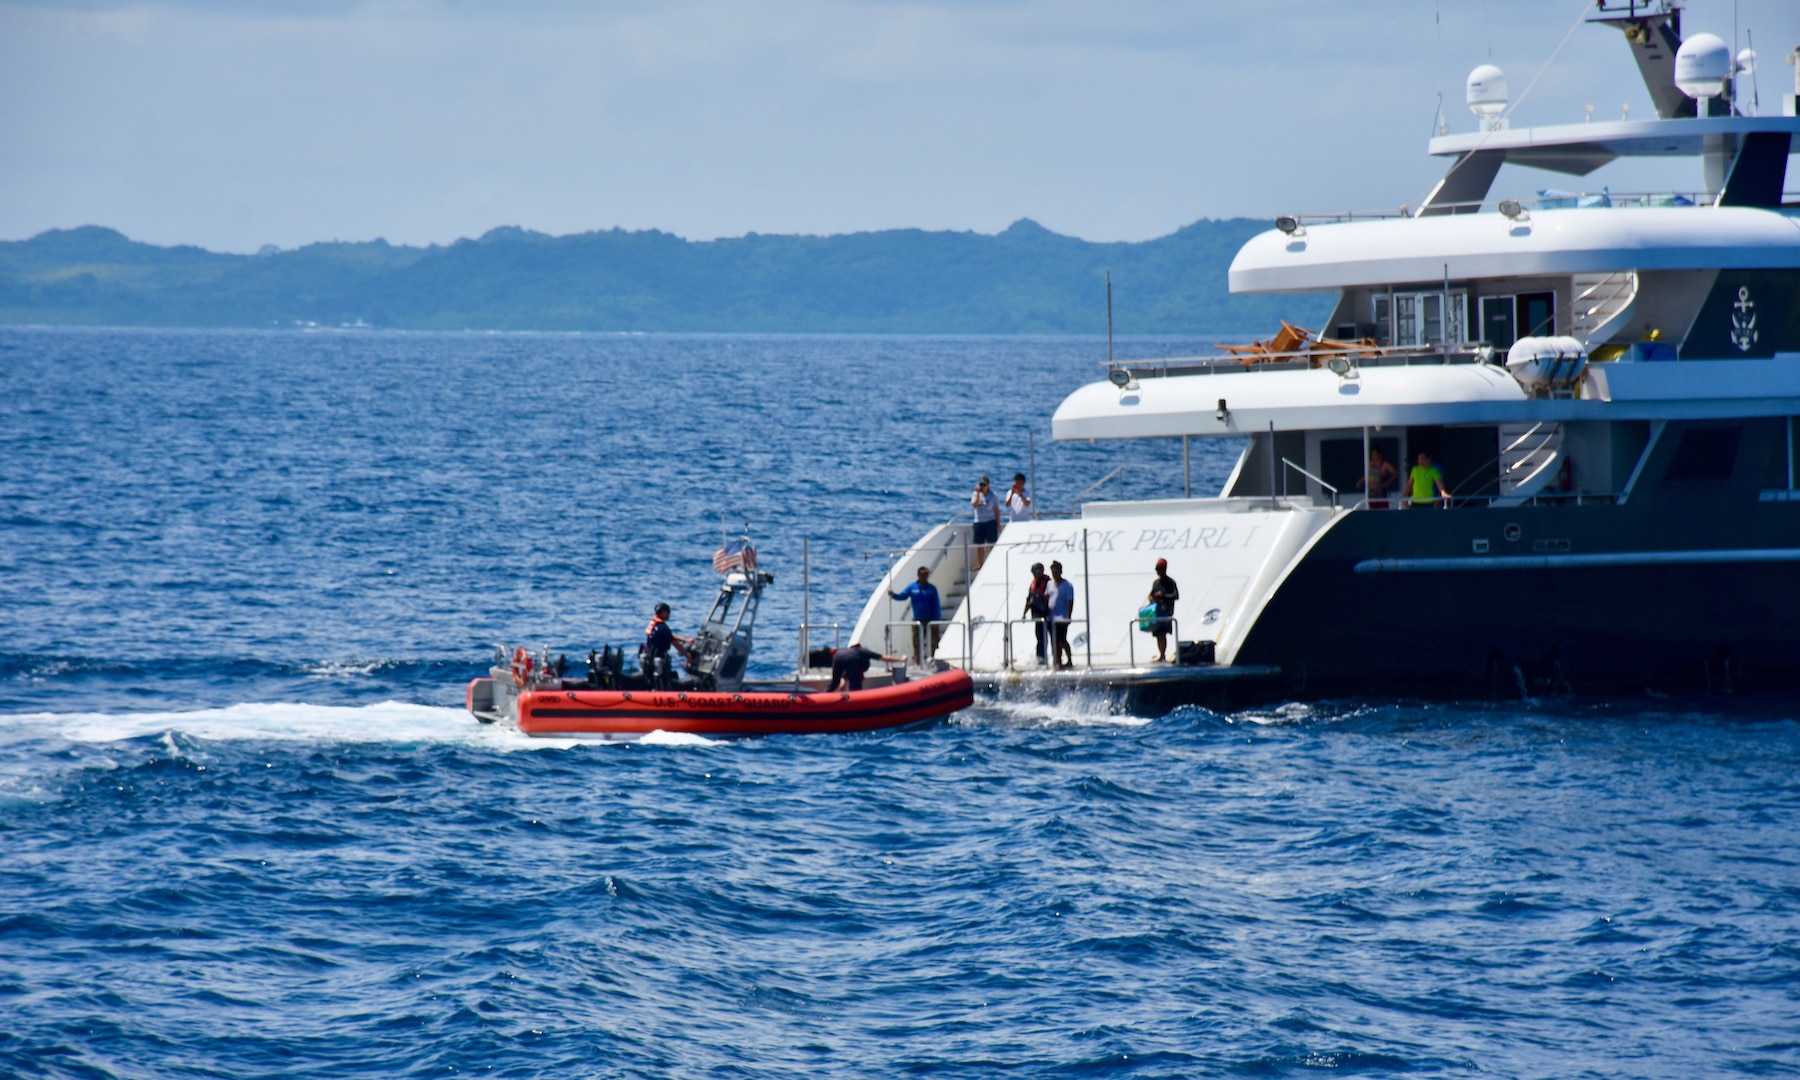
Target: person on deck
x,y
1018,501
1377,479
1426,482
927,609
850,664
1062,609
987,520
1163,593
1037,609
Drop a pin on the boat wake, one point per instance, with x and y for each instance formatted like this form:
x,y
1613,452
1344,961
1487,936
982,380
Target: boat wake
x,y
382,722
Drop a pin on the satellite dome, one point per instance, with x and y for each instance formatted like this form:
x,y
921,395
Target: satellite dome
x,y
1702,66
1487,90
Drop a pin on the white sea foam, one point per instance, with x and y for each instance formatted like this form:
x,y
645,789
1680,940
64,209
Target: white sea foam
x,y
383,722
677,738
1293,712
386,721
1073,708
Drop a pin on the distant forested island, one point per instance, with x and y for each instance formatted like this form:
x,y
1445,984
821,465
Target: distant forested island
x,y
1026,280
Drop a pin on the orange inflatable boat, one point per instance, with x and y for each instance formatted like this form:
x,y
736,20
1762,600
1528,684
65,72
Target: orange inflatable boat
x,y
711,698
632,714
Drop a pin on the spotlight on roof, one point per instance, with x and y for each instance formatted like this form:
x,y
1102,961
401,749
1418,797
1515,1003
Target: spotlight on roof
x,y
1512,209
1339,365
1289,224
1119,377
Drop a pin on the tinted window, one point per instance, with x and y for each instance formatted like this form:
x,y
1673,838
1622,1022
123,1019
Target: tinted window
x,y
1706,453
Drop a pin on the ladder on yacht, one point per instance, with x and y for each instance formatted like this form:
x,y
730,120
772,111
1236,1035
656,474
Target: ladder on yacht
x,y
1599,301
1529,454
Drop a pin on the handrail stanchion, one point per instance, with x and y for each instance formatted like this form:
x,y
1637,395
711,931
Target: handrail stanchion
x,y
1132,633
1368,486
1049,638
805,601
1289,463
1087,598
1070,623
968,602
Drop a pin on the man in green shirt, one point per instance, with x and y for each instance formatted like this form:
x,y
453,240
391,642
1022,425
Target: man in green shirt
x,y
1427,484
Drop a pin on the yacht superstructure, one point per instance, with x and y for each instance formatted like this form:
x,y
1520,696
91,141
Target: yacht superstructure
x,y
1607,386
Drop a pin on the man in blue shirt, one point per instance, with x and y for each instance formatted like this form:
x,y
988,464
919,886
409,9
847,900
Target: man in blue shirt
x,y
926,612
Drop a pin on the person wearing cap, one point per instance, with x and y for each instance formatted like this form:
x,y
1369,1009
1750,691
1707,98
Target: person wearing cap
x,y
1163,594
987,520
1037,609
658,638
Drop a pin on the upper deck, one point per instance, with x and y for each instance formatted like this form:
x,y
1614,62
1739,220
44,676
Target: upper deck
x,y
1601,239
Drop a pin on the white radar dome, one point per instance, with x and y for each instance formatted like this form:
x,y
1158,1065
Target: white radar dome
x,y
1487,90
1702,65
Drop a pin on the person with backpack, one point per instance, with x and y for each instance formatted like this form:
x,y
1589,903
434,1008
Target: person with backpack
x,y
1037,608
1163,594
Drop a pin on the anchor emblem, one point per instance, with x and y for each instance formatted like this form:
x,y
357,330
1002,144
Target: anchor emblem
x,y
1743,320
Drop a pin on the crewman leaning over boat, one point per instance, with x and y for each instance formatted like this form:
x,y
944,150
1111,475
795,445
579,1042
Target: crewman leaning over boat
x,y
658,640
848,666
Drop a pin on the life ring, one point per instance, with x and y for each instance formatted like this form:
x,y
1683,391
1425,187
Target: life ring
x,y
521,666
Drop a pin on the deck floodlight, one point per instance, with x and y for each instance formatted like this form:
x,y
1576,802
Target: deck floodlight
x,y
1119,377
1339,365
1513,211
1223,411
1287,223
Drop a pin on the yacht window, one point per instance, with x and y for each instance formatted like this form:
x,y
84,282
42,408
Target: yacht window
x,y
1418,318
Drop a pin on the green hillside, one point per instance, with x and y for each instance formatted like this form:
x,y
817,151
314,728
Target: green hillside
x,y
1024,280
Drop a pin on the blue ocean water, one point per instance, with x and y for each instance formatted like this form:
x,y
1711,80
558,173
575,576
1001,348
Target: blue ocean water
x,y
246,829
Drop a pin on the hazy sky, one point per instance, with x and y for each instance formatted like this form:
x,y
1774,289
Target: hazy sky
x,y
236,124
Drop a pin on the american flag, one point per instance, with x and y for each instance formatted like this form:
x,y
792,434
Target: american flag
x,y
735,555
